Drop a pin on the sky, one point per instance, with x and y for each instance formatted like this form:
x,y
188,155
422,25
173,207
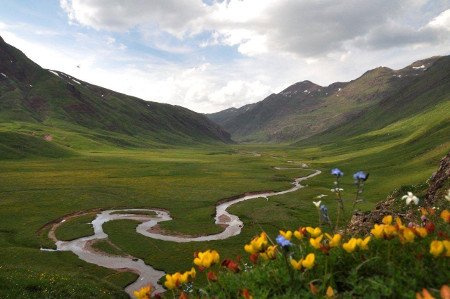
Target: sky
x,y
211,55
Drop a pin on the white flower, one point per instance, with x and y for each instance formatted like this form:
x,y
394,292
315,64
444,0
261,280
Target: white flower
x,y
447,197
321,195
337,190
317,203
411,198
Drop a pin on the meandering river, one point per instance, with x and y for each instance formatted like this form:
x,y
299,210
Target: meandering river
x,y
83,249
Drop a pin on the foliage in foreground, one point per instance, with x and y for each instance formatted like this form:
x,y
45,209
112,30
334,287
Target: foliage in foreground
x,y
396,260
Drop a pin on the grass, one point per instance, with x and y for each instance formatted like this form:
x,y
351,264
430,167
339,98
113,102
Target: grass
x,y
76,227
188,182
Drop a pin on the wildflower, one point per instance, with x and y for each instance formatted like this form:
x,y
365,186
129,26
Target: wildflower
x,y
207,258
436,248
143,293
420,231
337,172
447,247
429,227
445,292
445,215
270,253
175,280
411,198
246,294
324,214
315,242
231,265
378,231
350,246
330,292
283,242
313,288
192,273
336,190
425,295
335,240
361,176
363,244
297,265
314,232
212,276
406,235
286,234
254,258
258,244
387,219
300,233
308,262
317,203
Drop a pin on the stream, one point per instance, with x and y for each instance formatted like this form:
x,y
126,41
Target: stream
x,y
82,247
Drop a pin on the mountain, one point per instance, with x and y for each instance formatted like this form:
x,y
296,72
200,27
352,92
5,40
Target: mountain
x,y
39,106
305,109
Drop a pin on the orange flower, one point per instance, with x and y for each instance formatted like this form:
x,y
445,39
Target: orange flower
x,y
246,294
445,292
445,215
425,295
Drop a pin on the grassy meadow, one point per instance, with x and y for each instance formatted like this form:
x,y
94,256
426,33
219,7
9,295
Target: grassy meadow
x,y
186,181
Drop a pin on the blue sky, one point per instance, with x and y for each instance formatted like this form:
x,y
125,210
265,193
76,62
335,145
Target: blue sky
x,y
211,55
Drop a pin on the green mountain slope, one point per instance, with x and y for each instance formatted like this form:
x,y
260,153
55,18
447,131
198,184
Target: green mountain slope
x,y
306,109
36,103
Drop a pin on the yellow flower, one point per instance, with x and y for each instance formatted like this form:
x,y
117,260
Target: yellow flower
x,y
399,223
300,233
314,232
297,265
207,258
270,253
436,248
192,273
447,247
389,231
407,236
175,280
350,246
445,215
315,242
257,244
387,219
286,234
421,231
330,292
308,262
335,240
378,231
363,244
143,293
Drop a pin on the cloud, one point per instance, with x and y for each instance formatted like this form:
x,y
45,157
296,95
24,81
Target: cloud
x,y
303,28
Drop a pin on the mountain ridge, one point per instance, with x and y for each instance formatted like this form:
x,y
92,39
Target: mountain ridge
x,y
305,109
34,99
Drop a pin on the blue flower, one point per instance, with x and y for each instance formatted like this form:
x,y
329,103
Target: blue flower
x,y
337,172
324,214
361,176
283,242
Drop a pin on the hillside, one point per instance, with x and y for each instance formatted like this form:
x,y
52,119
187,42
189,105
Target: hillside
x,y
53,112
306,109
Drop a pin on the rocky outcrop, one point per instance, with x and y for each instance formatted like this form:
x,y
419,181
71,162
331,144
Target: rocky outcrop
x,y
438,180
362,222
